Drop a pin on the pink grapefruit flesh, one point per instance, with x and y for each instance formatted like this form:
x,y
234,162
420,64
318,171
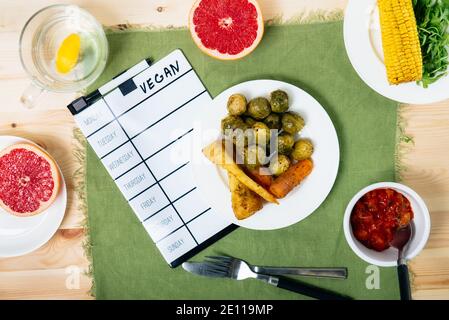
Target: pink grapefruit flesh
x,y
226,29
29,180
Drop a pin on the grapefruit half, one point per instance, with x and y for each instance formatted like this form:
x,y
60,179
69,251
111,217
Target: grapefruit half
x,y
29,180
226,29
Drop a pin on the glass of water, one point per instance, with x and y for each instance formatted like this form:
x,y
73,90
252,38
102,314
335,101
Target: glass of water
x,y
40,40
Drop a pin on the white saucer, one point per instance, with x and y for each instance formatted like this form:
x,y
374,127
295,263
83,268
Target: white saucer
x,y
21,235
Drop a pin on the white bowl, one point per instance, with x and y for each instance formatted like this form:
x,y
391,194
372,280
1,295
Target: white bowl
x,y
421,231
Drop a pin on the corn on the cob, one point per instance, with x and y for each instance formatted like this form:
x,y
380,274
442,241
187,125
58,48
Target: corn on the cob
x,y
400,41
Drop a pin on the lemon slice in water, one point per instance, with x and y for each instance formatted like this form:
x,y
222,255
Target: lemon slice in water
x,y
68,53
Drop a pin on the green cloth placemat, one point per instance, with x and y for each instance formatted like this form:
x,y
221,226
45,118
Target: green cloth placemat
x,y
126,263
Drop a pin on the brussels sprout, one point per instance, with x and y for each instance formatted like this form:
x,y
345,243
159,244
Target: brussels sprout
x,y
254,156
232,123
273,121
279,101
235,129
261,133
285,142
250,121
292,122
303,149
259,108
236,104
279,164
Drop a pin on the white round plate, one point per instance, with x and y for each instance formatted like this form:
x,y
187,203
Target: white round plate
x,y
420,234
363,43
21,235
305,198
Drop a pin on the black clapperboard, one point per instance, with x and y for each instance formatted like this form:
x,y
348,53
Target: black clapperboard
x,y
130,123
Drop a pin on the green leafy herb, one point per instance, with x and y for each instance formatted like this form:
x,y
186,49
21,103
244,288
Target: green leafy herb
x,y
432,18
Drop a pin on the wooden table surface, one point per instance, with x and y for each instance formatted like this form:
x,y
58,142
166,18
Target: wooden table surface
x,y
51,271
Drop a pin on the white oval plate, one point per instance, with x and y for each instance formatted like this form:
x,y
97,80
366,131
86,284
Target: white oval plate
x,y
21,235
305,198
363,43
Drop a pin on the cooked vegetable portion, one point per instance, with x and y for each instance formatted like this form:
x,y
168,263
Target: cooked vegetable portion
x,y
285,183
303,149
279,101
261,175
237,104
244,201
232,123
217,154
259,108
250,121
233,128
400,41
273,121
261,133
263,161
254,156
285,142
292,122
279,164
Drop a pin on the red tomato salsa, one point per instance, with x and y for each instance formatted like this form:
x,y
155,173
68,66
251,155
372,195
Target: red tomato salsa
x,y
377,215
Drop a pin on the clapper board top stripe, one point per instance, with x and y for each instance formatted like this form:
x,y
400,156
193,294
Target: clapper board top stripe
x,y
136,123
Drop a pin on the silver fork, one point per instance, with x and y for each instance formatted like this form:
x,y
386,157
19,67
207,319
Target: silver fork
x,y
229,267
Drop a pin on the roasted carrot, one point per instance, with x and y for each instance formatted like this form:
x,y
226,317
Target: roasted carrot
x,y
265,179
285,183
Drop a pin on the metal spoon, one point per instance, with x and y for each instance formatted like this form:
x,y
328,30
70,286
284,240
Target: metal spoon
x,y
400,241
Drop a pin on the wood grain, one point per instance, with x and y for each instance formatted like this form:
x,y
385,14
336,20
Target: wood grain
x,y
64,249
426,170
41,284
42,274
46,272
